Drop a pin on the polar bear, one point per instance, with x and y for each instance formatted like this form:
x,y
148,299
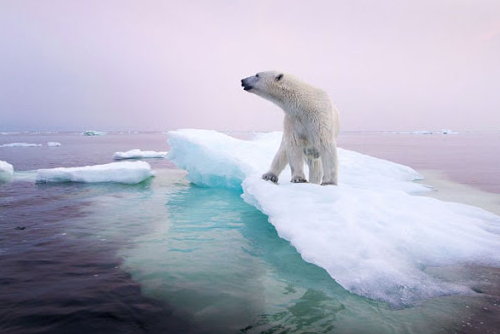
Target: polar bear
x,y
310,127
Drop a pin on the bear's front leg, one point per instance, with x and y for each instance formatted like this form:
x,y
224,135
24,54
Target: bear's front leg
x,y
269,176
278,164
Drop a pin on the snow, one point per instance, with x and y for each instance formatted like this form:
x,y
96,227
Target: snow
x,y
93,133
138,154
53,144
20,145
120,172
373,234
6,171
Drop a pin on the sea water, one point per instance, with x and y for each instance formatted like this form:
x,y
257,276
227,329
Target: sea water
x,y
167,256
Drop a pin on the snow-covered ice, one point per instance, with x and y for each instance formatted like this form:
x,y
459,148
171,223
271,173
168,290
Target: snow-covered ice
x,y
93,133
53,144
20,145
6,171
120,172
138,154
373,234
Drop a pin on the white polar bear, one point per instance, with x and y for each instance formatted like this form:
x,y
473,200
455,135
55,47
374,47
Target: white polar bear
x,y
310,127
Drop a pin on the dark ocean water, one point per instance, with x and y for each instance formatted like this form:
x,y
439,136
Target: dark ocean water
x,y
165,256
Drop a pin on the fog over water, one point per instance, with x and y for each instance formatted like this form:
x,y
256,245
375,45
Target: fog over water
x,y
113,65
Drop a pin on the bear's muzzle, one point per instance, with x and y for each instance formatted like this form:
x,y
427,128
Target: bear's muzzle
x,y
246,83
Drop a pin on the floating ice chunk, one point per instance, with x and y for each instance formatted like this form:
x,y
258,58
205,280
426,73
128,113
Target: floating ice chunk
x,y
6,171
369,233
120,172
20,145
138,154
448,132
93,133
53,144
423,132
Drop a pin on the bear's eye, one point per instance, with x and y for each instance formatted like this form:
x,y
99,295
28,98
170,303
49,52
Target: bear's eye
x,y
279,76
257,75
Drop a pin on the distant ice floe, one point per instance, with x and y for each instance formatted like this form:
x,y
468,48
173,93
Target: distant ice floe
x,y
53,144
138,154
425,132
20,145
93,133
371,233
6,171
120,172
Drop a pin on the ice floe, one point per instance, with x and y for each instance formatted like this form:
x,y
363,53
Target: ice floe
x,y
372,233
138,154
20,145
119,172
93,133
6,171
427,132
53,144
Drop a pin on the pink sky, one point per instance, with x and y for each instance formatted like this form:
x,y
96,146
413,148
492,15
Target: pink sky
x,y
157,65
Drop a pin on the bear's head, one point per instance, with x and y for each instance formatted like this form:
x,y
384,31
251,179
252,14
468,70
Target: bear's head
x,y
270,85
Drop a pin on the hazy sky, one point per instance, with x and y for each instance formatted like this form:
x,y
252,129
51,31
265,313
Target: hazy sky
x,y
157,65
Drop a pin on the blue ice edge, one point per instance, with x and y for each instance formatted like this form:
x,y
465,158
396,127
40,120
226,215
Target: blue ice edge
x,y
371,233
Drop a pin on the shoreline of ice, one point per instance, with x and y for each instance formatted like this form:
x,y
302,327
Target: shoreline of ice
x,y
370,233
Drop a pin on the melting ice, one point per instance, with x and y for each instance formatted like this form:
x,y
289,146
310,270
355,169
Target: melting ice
x,y
20,145
372,233
138,154
120,172
93,133
6,171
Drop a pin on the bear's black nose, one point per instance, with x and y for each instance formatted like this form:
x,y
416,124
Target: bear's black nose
x,y
246,85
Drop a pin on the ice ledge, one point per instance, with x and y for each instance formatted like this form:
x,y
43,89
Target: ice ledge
x,y
369,233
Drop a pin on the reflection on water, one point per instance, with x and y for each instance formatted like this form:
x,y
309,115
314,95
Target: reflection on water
x,y
58,267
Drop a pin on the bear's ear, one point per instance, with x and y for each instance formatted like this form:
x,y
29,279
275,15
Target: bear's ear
x,y
279,77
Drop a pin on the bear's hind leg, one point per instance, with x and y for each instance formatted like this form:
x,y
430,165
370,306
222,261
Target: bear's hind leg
x,y
329,161
315,170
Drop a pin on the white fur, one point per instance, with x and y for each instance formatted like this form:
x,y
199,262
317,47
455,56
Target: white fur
x,y
310,127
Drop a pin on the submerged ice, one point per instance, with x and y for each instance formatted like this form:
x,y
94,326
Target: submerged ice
x,y
93,133
119,172
372,233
